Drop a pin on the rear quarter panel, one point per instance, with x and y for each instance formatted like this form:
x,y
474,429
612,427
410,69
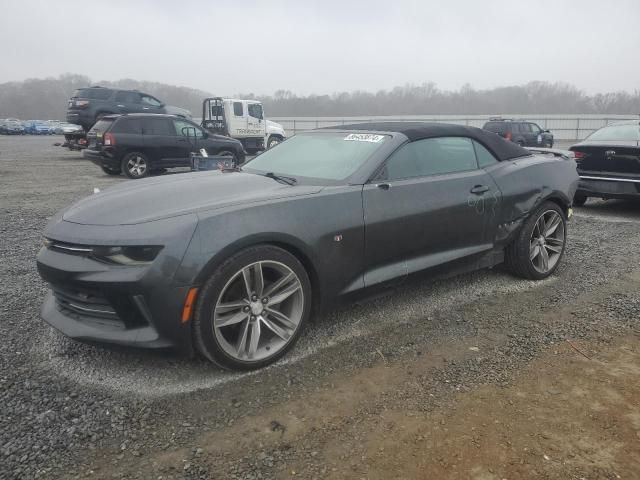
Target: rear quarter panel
x,y
527,182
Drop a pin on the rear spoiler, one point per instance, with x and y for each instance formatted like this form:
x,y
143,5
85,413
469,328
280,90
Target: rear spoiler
x,y
552,151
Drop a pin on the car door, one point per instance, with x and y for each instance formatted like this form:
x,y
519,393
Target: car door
x,y
255,120
427,206
238,120
536,135
128,102
160,140
188,138
527,134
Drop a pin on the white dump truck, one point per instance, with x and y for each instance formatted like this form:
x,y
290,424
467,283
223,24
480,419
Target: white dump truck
x,y
243,120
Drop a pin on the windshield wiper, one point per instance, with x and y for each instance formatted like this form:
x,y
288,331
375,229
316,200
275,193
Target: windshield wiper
x,y
281,178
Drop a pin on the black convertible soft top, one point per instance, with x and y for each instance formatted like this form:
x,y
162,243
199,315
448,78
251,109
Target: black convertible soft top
x,y
501,148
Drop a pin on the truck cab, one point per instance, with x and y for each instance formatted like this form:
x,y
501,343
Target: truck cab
x,y
243,120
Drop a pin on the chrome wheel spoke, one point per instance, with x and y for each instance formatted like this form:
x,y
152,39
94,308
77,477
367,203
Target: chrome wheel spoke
x,y
534,251
276,285
254,339
553,248
241,345
230,319
552,225
231,306
275,329
540,225
285,292
544,256
282,318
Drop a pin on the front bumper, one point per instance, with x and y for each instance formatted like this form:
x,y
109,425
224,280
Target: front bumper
x,y
95,302
609,187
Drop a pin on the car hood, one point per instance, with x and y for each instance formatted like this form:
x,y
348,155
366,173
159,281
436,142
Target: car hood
x,y
140,201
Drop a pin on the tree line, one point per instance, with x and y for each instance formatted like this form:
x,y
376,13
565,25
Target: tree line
x,y
47,99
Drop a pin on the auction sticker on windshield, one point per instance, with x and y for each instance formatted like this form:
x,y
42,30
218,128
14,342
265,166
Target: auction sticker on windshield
x,y
364,137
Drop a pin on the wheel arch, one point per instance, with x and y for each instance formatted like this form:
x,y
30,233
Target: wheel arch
x,y
286,242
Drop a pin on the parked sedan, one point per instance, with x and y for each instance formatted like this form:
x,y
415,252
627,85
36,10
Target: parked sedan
x,y
232,264
609,163
13,126
137,144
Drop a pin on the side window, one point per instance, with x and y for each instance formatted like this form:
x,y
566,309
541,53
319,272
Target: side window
x,y
484,156
525,128
238,111
535,128
515,128
158,126
127,97
433,156
149,100
127,125
255,110
186,129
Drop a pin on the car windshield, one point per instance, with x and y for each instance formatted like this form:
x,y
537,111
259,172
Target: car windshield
x,y
320,155
617,132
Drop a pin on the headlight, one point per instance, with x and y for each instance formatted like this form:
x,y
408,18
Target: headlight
x,y
126,255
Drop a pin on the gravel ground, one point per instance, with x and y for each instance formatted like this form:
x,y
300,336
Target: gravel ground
x,y
71,410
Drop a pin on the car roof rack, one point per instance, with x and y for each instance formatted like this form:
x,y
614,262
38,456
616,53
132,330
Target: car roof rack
x,y
500,119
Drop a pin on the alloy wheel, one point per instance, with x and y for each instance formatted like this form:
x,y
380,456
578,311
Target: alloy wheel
x,y
137,166
258,311
547,241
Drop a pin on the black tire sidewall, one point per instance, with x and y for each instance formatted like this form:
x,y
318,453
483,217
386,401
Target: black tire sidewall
x,y
579,200
522,249
272,138
110,171
204,337
126,159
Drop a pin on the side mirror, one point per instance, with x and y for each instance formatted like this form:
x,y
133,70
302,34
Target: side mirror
x,y
205,134
547,131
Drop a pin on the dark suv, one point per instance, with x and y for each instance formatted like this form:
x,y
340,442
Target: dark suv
x,y
88,105
139,144
525,134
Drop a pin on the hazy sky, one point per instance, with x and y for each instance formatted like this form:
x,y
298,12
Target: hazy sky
x,y
309,46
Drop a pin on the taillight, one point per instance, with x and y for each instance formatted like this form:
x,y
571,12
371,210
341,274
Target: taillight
x,y
82,103
578,156
109,139
508,136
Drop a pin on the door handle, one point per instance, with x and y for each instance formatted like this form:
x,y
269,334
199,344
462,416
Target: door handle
x,y
383,186
479,189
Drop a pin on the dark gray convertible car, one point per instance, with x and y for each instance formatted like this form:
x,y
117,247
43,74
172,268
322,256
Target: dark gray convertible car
x,y
232,263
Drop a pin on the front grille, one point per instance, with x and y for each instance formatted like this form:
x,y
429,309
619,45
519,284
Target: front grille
x,y
117,310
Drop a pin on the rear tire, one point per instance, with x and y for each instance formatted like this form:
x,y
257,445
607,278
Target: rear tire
x,y
136,165
537,250
262,292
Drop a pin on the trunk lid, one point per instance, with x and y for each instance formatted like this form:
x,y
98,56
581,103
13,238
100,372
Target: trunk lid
x,y
617,158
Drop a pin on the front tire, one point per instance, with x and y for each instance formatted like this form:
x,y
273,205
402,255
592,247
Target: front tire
x,y
252,309
273,141
108,171
135,165
537,250
579,200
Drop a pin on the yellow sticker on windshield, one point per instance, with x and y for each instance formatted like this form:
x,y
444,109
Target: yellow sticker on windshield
x,y
364,137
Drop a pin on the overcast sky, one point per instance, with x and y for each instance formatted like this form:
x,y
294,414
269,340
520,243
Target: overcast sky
x,y
324,46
